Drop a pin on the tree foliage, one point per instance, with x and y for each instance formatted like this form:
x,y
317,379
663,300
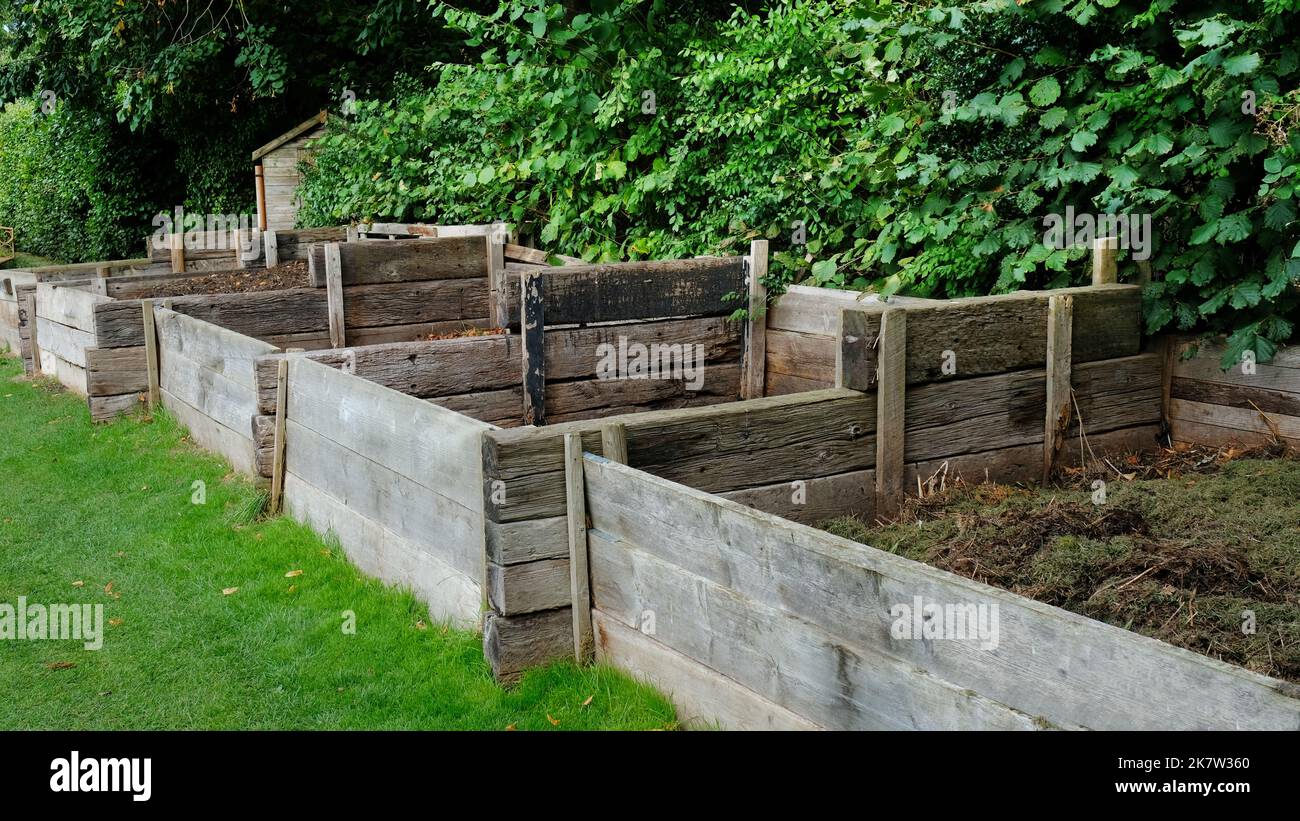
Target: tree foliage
x,y
920,146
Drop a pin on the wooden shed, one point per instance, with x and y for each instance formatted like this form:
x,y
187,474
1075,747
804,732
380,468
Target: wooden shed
x,y
276,168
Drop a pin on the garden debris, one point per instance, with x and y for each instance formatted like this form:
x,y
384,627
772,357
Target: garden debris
x,y
292,274
1209,564
467,331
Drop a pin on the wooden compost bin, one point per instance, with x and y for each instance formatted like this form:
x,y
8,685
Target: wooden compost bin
x,y
1249,403
641,523
96,342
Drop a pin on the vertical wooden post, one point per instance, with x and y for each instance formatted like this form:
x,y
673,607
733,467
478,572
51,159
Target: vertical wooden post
x,y
1105,268
755,366
271,248
352,233
1060,352
613,442
334,294
1172,350
532,324
178,253
99,284
31,335
579,582
277,456
891,365
151,353
259,187
498,292
853,359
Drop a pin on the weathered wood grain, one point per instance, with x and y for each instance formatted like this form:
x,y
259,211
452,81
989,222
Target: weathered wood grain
x,y
450,594
431,446
304,310
511,645
579,583
891,422
755,364
235,448
67,343
704,699
639,290
116,371
826,606
366,263
529,587
68,306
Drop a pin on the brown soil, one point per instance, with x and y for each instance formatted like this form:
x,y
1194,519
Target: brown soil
x,y
1199,547
465,332
287,275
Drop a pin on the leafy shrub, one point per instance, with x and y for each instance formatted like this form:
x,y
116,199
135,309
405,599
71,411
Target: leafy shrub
x,y
68,188
919,145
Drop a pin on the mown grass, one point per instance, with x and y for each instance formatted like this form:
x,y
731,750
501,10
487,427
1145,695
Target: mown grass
x,y
105,515
24,260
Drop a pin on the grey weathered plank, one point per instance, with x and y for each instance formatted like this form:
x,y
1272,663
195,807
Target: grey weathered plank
x,y
579,582
639,290
431,446
365,263
441,526
304,310
116,371
703,698
218,349
815,673
211,435
528,587
1049,663
68,306
891,423
450,594
755,365
67,343
1060,407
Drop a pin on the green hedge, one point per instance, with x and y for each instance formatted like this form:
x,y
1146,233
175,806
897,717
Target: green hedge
x,y
920,145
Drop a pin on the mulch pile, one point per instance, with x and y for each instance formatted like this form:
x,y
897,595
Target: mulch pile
x,y
240,281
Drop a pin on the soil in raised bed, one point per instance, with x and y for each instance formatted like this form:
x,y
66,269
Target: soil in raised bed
x,y
291,274
1186,545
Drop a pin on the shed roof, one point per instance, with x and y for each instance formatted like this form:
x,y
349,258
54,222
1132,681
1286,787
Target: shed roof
x,y
291,134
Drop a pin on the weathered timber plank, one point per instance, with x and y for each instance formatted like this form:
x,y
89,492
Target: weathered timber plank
x,y
639,290
813,501
1068,669
527,541
431,446
806,356
304,310
227,402
1235,396
450,594
366,263
218,349
116,371
105,408
837,683
437,523
68,306
722,447
529,587
755,364
703,698
211,435
1247,420
511,645
67,343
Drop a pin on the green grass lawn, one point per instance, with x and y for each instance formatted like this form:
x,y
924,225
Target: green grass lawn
x,y
104,515
23,260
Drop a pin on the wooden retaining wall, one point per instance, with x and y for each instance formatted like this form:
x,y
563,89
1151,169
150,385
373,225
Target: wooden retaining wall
x,y
813,455
756,622
395,478
207,380
1249,403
